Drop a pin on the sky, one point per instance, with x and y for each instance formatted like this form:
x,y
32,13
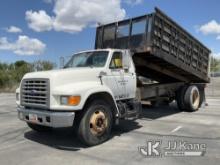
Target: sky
x,y
33,30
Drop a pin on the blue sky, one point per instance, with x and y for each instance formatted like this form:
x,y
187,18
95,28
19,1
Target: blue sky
x,y
48,29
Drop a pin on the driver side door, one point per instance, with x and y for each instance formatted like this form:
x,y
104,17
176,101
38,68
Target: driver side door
x,y
116,76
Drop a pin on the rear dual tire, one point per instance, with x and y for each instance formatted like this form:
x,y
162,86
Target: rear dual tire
x,y
180,98
192,98
189,98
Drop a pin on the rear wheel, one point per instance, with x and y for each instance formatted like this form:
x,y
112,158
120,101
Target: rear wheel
x,y
202,97
96,123
39,128
192,98
180,98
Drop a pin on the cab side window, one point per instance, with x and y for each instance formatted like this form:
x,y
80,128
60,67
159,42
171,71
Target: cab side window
x,y
116,62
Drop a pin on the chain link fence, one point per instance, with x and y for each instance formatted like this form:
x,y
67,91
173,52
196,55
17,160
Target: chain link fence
x,y
213,88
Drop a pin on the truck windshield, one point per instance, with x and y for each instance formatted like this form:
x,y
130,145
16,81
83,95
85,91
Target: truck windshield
x,y
88,59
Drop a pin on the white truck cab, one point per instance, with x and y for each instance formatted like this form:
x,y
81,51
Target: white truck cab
x,y
55,98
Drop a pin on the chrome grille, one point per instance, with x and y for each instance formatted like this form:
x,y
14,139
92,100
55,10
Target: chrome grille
x,y
35,93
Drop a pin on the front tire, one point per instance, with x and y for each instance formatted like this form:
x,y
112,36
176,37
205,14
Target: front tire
x,y
95,125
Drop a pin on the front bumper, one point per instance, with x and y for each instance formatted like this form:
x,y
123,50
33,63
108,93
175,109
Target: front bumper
x,y
47,118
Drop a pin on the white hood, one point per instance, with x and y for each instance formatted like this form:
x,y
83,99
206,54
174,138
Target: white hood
x,y
67,76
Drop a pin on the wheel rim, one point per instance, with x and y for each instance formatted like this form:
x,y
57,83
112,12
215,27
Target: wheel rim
x,y
98,123
195,99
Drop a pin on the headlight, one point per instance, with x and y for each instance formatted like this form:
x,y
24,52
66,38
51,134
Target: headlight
x,y
17,96
70,100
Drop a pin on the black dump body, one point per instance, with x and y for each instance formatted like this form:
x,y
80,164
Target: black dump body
x,y
163,51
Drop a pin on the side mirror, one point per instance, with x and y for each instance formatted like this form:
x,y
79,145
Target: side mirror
x,y
102,73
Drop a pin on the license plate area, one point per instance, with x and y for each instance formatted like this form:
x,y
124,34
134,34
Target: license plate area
x,y
33,118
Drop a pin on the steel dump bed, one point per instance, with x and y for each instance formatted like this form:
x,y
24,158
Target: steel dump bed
x,y
163,51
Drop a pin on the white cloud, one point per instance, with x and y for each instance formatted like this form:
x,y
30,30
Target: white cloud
x,y
13,29
23,45
39,21
133,2
74,15
218,37
212,27
48,1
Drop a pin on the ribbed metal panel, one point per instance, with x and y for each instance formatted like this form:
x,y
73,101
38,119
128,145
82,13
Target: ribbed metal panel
x,y
35,93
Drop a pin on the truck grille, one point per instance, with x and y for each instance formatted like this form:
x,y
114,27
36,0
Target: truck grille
x,y
35,93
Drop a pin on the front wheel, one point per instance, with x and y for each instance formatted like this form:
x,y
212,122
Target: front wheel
x,y
96,123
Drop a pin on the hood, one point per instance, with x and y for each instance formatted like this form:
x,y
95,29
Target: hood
x,y
67,76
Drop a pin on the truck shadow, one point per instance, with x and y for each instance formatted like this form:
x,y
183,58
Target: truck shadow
x,y
152,113
65,138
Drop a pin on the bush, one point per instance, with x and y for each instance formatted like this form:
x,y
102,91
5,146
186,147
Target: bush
x,y
11,74
215,65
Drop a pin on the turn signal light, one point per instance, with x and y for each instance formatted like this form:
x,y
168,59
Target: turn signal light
x,y
74,100
70,100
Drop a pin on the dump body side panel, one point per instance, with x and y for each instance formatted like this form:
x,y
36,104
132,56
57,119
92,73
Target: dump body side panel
x,y
162,49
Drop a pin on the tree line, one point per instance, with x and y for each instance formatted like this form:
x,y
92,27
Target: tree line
x,y
11,74
215,65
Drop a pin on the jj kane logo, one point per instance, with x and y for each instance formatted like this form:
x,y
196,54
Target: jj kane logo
x,y
153,148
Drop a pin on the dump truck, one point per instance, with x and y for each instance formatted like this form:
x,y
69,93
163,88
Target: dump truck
x,y
147,58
